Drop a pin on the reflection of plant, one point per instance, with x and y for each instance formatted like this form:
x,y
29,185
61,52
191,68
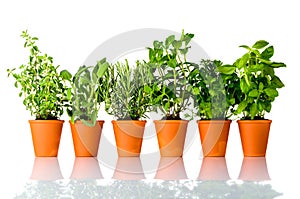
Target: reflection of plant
x,y
168,60
214,87
129,101
148,189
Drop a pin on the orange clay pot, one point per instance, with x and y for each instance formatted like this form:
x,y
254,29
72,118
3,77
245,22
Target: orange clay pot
x,y
254,136
214,136
46,136
171,136
86,139
129,136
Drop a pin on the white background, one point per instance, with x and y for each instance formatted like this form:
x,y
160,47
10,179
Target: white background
x,y
70,30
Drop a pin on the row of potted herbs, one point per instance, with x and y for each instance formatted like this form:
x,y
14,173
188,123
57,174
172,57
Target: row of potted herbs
x,y
166,83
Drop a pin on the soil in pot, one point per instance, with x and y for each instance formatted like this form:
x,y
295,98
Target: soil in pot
x,y
46,137
86,139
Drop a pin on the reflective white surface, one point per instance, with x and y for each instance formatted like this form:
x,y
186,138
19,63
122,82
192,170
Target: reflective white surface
x,y
86,179
129,181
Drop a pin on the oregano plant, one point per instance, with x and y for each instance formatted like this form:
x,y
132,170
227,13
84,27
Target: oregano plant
x,y
258,82
168,59
43,87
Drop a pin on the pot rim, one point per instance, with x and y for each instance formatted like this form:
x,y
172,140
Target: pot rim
x,y
80,122
214,121
46,121
254,121
128,121
171,121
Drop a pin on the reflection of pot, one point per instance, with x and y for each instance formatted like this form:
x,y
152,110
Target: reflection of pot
x,y
171,168
214,136
214,168
46,137
171,136
254,169
129,136
254,136
86,168
86,139
129,168
46,168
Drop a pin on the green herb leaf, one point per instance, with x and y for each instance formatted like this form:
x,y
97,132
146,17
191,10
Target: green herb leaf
x,y
241,107
277,64
243,61
66,75
253,93
246,47
176,44
277,82
169,40
260,44
253,110
244,86
261,86
268,53
102,68
226,69
172,63
271,92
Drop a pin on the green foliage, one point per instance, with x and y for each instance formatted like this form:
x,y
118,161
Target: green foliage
x,y
214,87
43,88
258,82
89,89
129,99
168,62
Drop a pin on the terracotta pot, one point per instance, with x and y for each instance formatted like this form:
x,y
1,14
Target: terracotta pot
x,y
214,136
254,136
86,139
46,137
171,136
129,136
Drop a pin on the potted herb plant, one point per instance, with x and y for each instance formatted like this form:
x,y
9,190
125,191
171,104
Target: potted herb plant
x,y
44,90
129,105
85,96
169,91
213,86
259,87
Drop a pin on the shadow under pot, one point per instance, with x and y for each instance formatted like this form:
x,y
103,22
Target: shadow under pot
x,y
254,136
214,137
46,137
171,136
86,139
129,136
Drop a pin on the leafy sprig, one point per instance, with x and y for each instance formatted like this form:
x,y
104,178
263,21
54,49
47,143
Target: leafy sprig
x,y
258,81
43,88
168,61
